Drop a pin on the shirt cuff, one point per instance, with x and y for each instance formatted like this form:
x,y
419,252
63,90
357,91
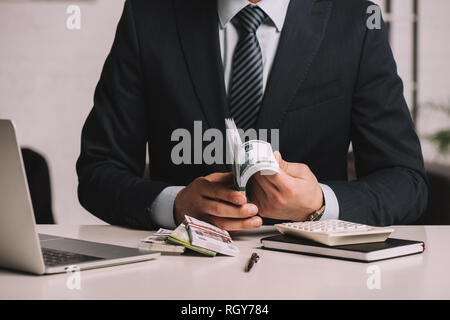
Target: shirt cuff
x,y
331,203
162,208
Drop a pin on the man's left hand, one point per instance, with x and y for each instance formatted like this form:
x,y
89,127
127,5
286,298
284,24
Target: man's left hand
x,y
293,194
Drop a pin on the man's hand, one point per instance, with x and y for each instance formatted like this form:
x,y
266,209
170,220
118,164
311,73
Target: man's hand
x,y
213,200
293,194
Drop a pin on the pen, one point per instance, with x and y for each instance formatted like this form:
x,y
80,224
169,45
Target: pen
x,y
253,259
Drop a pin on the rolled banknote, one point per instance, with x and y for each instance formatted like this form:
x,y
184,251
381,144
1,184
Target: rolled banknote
x,y
255,156
249,157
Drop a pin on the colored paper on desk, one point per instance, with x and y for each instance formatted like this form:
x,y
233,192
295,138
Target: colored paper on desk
x,y
181,236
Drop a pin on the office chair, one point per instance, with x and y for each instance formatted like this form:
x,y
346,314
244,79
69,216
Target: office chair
x,y
38,177
438,210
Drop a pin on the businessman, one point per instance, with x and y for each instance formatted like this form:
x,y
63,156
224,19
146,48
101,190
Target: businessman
x,y
310,68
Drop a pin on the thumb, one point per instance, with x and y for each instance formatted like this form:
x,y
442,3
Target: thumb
x,y
220,177
290,168
284,165
281,163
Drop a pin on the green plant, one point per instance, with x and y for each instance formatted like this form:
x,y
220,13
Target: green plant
x,y
441,138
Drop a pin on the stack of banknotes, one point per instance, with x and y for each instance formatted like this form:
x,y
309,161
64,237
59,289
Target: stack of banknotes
x,y
203,237
158,242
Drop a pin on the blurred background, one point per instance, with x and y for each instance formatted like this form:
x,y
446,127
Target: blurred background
x,y
48,75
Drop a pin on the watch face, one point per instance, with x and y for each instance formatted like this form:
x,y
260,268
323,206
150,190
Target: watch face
x,y
313,216
316,215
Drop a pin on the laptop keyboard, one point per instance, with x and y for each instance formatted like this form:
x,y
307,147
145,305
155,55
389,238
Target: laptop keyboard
x,y
57,258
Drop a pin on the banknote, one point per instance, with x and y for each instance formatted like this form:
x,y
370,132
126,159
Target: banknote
x,y
158,242
181,236
205,235
249,157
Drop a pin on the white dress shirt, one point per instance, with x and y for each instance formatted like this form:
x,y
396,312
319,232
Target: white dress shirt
x,y
268,35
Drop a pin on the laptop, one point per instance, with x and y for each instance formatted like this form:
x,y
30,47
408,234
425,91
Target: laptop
x,y
21,248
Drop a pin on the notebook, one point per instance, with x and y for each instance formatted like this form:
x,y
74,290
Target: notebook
x,y
366,252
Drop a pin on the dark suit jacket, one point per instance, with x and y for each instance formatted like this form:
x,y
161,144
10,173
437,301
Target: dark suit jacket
x,y
333,82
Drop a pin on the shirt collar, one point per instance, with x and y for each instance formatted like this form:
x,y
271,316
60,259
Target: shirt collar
x,y
275,9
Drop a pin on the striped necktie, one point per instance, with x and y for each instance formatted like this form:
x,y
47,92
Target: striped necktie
x,y
246,89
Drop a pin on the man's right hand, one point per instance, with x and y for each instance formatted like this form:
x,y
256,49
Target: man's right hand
x,y
212,199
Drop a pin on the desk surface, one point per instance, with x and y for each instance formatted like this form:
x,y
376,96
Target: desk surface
x,y
278,275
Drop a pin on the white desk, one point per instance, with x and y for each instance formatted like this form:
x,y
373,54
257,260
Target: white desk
x,y
277,275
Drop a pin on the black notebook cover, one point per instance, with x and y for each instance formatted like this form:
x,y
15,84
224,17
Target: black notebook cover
x,y
360,252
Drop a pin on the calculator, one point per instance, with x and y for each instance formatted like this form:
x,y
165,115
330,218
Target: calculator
x,y
335,232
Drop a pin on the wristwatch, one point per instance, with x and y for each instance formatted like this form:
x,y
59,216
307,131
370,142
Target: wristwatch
x,y
316,215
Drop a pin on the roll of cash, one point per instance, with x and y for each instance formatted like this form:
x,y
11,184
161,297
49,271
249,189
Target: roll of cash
x,y
249,157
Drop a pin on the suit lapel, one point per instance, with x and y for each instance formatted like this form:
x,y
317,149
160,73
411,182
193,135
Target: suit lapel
x,y
199,36
300,40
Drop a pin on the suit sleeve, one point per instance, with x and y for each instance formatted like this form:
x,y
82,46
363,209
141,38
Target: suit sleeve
x,y
113,143
392,187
